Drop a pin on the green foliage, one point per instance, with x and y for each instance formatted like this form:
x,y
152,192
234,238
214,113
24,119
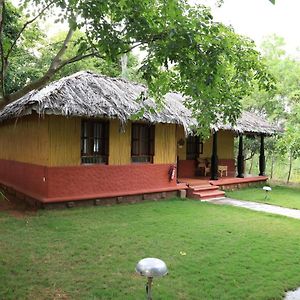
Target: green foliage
x,y
281,105
290,141
91,253
276,103
22,64
95,64
186,50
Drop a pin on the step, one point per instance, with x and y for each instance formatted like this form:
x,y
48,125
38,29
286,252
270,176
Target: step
x,y
209,194
204,187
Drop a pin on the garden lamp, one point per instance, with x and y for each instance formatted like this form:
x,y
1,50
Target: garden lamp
x,y
267,189
151,267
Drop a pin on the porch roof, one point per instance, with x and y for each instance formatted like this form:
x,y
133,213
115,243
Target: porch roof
x,y
250,123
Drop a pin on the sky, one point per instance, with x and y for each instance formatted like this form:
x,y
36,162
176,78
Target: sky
x,y
260,18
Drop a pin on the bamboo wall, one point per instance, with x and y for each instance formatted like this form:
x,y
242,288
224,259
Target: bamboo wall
x,y
181,151
55,141
165,144
25,140
119,144
64,141
225,145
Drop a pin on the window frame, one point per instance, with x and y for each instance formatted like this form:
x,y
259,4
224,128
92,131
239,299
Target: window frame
x,y
139,143
93,137
198,147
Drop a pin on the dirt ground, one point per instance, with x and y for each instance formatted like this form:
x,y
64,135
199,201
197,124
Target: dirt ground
x,y
14,207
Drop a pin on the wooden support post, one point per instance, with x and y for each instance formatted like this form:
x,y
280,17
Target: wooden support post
x,y
240,158
262,159
214,158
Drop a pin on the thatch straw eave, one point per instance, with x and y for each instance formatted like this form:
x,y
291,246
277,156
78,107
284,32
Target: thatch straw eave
x,y
86,94
250,123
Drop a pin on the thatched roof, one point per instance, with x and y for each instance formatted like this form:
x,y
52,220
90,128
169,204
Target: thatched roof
x,y
92,95
250,123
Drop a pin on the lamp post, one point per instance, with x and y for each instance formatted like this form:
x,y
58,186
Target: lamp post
x,y
267,189
151,267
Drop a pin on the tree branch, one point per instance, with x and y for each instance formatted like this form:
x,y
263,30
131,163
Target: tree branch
x,y
55,66
57,59
39,83
2,71
24,27
249,157
77,58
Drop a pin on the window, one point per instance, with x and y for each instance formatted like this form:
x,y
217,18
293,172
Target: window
x,y
142,143
94,142
194,147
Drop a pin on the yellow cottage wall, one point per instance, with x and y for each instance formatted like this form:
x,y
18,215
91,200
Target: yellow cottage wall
x,y
119,144
25,140
225,145
180,135
55,141
64,141
165,144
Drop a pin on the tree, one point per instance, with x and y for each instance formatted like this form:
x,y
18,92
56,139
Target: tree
x,y
26,66
95,64
276,103
281,104
290,142
187,51
22,62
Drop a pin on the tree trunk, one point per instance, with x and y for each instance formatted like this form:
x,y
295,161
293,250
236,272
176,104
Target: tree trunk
x,y
124,62
290,168
2,54
214,158
251,164
262,159
240,159
272,166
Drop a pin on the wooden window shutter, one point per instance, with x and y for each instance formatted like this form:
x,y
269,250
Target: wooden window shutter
x,y
152,140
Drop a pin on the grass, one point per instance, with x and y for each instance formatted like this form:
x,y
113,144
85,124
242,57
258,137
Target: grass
x,y
91,253
280,195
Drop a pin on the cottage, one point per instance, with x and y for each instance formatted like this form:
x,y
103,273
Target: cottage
x,y
86,137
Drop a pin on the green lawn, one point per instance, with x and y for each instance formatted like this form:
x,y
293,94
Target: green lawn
x,y
91,253
280,195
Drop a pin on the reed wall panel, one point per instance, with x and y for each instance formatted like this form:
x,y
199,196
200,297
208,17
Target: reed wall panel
x,y
119,143
225,145
25,140
64,141
165,144
180,134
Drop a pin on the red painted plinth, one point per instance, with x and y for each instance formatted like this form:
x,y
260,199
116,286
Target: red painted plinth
x,y
57,184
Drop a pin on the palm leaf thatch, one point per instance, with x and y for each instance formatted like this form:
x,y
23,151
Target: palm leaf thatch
x,y
87,94
250,123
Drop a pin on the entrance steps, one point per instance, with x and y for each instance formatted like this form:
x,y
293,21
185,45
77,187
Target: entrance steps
x,y
205,192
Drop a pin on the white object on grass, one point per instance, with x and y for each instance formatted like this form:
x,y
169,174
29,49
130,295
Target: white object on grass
x,y
267,189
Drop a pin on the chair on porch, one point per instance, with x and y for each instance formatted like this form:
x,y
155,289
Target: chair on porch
x,y
223,169
205,165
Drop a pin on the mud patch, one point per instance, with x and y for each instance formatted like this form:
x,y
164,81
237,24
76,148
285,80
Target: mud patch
x,y
15,207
